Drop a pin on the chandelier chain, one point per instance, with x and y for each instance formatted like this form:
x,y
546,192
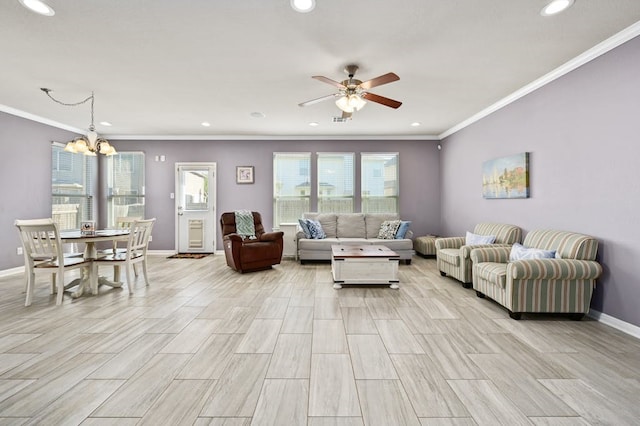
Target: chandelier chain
x,y
90,98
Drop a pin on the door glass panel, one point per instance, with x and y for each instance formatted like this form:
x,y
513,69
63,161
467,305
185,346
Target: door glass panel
x,y
195,189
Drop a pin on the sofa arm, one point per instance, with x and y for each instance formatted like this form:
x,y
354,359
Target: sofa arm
x,y
233,237
271,236
300,235
564,269
465,251
409,235
449,242
490,254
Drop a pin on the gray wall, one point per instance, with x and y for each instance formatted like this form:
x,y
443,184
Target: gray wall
x,y
583,133
419,177
25,177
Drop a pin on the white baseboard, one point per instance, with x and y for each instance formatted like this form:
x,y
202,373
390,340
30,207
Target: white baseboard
x,y
614,322
12,271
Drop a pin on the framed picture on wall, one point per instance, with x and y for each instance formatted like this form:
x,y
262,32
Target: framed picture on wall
x,y
506,177
244,174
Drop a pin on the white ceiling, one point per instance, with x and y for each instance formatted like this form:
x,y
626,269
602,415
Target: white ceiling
x,y
161,67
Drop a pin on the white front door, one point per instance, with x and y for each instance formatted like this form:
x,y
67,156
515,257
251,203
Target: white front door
x,y
196,207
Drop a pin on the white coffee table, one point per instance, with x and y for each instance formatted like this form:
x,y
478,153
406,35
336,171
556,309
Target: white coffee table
x,y
366,264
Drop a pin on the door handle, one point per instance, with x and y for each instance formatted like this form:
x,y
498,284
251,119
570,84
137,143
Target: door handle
x,y
180,212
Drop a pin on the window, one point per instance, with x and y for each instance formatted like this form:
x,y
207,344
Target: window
x,y
379,183
72,187
291,186
125,186
335,182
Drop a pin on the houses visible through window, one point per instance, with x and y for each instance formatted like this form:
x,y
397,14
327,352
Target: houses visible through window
x,y
379,182
291,186
335,182
125,186
72,187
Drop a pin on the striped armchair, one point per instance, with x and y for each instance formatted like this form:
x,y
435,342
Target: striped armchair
x,y
561,285
453,256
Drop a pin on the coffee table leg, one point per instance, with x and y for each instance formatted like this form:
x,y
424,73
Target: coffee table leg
x,y
337,285
394,286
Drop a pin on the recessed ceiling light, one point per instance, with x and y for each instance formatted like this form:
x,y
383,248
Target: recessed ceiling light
x,y
415,124
303,6
555,7
106,123
257,115
313,124
38,7
206,124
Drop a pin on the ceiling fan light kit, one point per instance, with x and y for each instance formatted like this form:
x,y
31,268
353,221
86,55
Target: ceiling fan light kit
x,y
353,94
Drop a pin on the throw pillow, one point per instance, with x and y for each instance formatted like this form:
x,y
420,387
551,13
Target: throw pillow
x,y
388,229
475,239
305,227
402,229
315,229
519,252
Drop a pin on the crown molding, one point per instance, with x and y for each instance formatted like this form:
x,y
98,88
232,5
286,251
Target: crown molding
x,y
271,137
589,55
38,119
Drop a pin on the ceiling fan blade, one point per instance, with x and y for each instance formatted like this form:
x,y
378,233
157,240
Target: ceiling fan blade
x,y
315,101
329,81
379,81
381,100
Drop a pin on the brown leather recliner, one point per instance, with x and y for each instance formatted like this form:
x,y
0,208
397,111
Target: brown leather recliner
x,y
246,255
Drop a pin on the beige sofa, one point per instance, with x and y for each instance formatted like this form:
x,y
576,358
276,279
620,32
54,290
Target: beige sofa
x,y
352,229
454,256
563,284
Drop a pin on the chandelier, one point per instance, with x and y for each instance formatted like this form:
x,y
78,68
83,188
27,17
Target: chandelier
x,y
91,143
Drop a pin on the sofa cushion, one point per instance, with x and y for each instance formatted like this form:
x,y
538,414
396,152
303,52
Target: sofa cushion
x,y
374,220
315,229
519,252
327,220
351,225
451,256
317,245
305,227
476,239
492,272
388,229
402,229
404,244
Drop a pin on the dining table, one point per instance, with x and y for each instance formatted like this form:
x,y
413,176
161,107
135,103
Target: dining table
x,y
89,279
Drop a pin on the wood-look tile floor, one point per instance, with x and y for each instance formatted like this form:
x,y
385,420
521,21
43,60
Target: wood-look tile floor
x,y
204,345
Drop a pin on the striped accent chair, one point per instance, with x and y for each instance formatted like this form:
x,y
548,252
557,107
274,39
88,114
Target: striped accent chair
x,y
560,285
454,257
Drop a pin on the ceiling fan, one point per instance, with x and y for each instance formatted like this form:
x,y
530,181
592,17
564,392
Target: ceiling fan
x,y
352,93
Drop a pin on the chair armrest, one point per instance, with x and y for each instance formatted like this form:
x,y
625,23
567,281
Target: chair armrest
x,y
465,251
233,237
449,242
565,269
271,236
490,253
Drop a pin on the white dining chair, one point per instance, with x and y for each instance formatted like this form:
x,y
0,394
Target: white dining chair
x,y
43,253
122,222
135,252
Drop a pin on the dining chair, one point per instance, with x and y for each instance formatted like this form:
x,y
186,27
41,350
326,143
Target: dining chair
x,y
135,252
43,253
122,222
